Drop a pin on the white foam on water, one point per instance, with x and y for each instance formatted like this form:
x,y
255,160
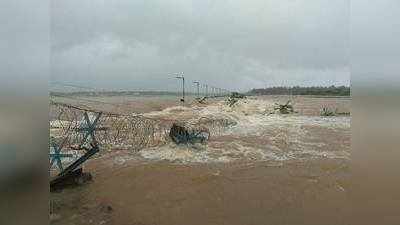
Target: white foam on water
x,y
287,135
190,154
179,153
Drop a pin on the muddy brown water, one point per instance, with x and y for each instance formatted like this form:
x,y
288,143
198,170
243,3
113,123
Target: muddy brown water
x,y
241,193
310,187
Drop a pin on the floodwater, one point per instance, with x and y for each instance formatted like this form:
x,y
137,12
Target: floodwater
x,y
254,134
257,168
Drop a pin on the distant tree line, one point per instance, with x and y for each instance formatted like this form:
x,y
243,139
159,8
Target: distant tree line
x,y
296,90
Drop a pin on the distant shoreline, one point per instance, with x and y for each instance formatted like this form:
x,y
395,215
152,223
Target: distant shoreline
x,y
147,94
307,96
303,91
332,91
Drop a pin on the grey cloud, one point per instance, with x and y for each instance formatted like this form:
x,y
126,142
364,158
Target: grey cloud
x,y
375,35
233,44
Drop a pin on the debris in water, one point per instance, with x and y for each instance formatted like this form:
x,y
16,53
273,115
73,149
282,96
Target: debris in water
x,y
202,100
182,133
234,98
237,95
285,108
325,111
74,178
328,112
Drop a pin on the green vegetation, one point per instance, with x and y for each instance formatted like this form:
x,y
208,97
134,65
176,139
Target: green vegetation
x,y
234,98
285,108
324,91
328,112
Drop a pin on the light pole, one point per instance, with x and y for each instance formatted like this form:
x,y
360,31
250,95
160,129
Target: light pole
x,y
198,89
183,87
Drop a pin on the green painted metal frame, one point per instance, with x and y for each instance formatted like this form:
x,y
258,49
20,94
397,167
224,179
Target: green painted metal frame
x,y
88,130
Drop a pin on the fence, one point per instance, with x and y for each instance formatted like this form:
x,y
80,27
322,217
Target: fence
x,y
77,129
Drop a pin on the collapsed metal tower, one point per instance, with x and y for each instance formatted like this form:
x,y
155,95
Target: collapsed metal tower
x,y
78,132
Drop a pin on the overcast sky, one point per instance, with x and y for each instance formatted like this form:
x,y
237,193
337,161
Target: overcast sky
x,y
140,44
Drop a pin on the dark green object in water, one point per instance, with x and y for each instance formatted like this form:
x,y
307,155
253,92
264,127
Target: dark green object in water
x,y
182,134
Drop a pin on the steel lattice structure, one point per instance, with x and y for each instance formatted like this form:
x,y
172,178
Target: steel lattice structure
x,y
72,126
78,132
